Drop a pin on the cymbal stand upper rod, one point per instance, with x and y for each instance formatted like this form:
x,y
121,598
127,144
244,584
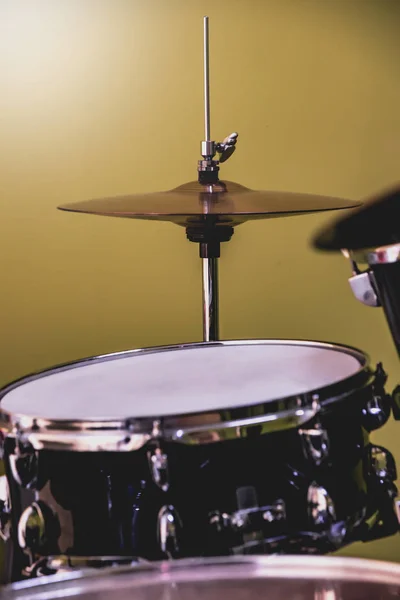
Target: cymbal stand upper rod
x,y
210,299
206,81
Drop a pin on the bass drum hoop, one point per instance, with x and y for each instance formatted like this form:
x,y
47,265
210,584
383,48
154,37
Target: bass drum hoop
x,y
319,569
190,428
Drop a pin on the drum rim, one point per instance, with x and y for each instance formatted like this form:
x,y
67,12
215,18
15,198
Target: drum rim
x,y
324,569
133,433
381,255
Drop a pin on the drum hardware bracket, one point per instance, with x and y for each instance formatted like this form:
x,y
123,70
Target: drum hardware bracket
x,y
23,465
320,505
208,168
378,409
315,443
364,288
38,569
168,525
38,527
382,464
158,462
248,519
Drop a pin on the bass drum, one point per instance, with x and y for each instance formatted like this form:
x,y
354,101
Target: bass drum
x,y
275,578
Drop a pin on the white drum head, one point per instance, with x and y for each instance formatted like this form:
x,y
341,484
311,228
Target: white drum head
x,y
177,381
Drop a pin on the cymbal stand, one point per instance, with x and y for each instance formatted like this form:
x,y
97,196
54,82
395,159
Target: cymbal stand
x,y
210,233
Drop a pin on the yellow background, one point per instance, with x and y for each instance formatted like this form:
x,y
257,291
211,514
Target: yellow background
x,y
104,97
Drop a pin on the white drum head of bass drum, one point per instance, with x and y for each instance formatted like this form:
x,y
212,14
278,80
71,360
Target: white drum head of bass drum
x,y
182,380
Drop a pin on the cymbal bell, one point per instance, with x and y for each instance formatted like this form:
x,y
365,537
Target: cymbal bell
x,y
375,224
223,202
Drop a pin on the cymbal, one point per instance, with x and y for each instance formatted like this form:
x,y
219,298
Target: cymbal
x,y
375,224
221,202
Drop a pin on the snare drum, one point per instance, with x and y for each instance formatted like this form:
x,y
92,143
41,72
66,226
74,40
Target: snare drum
x,y
275,578
204,449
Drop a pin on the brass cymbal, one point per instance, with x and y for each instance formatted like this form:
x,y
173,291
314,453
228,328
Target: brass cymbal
x,y
375,224
221,202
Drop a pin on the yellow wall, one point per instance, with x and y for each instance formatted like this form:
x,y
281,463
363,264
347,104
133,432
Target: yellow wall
x,y
103,97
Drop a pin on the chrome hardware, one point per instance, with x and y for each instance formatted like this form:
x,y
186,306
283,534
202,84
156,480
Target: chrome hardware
x,y
131,434
157,431
158,462
220,521
37,527
338,531
23,465
220,431
276,512
378,408
376,413
320,505
60,564
378,256
364,288
383,464
31,528
5,509
207,149
227,147
315,443
168,530
248,519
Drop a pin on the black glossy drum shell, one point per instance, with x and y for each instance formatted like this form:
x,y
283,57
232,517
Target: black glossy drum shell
x,y
108,504
387,277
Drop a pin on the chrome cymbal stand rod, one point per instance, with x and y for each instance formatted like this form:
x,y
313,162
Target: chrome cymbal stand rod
x,y
210,296
210,262
206,81
207,250
208,233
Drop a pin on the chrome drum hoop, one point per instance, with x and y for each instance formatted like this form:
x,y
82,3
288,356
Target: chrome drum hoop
x,y
191,428
328,572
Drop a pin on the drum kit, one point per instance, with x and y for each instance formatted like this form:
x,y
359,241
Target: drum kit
x,y
215,467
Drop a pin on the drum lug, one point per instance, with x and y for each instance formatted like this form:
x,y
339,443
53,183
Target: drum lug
x,y
169,524
320,505
158,462
315,443
276,512
23,465
378,408
38,527
382,464
5,509
221,522
364,288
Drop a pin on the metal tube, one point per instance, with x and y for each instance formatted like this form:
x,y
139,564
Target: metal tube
x,y
210,300
206,82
